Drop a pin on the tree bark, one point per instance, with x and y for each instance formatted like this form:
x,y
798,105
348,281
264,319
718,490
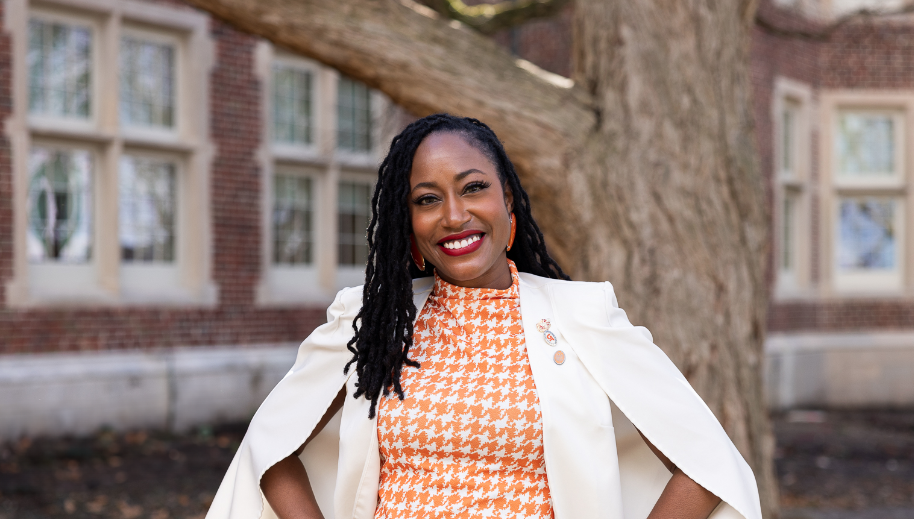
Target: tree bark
x,y
642,171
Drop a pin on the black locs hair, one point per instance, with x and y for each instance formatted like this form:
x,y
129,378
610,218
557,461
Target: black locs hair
x,y
384,325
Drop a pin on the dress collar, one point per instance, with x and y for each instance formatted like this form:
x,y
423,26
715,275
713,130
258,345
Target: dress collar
x,y
443,289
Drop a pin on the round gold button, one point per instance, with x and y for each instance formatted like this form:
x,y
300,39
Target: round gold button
x,y
559,357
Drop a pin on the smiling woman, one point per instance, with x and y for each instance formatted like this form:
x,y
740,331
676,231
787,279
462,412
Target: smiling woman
x,y
458,206
484,381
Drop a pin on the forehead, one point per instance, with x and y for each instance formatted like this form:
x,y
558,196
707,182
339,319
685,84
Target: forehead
x,y
448,154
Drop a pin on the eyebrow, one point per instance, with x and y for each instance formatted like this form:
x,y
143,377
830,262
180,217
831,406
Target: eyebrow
x,y
458,177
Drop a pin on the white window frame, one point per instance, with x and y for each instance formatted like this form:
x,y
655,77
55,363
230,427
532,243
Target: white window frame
x,y
69,281
318,282
347,275
787,92
298,152
370,158
286,283
140,280
109,281
897,178
176,41
851,283
90,124
861,280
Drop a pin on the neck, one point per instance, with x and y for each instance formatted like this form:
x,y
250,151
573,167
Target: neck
x,y
497,277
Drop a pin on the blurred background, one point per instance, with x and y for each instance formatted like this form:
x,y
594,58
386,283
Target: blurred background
x,y
180,201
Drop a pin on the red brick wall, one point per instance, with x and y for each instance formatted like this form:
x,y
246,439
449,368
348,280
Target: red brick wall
x,y
546,42
877,56
235,127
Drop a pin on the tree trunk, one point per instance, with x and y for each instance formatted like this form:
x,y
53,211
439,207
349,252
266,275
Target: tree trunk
x,y
642,172
671,199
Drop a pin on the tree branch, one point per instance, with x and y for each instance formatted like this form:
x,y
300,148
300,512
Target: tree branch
x,y
491,18
427,65
825,32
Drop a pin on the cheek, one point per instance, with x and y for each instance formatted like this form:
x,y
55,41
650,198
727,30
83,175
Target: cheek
x,y
423,226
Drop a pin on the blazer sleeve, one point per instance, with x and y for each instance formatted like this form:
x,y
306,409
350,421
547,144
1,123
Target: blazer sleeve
x,y
652,393
290,412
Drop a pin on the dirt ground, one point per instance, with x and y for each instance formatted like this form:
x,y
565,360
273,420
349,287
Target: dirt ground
x,y
830,464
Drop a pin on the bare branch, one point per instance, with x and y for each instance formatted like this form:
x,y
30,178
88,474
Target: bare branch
x,y
491,18
825,32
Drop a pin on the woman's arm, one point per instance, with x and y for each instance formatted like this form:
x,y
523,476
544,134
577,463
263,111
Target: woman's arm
x,y
682,498
286,485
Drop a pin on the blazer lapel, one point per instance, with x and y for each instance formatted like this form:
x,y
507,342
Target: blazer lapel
x,y
360,459
578,442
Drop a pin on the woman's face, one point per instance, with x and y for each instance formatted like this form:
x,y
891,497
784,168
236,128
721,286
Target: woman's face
x,y
460,212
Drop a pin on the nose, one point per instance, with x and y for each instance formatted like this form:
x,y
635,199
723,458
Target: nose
x,y
455,213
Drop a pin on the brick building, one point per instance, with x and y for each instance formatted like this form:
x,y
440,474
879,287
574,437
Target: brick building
x,y
180,201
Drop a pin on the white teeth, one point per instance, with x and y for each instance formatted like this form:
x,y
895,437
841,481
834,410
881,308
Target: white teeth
x,y
459,244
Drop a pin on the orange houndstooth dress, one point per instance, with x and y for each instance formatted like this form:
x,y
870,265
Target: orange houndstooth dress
x,y
467,440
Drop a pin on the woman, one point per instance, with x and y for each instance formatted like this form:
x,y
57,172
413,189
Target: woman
x,y
484,387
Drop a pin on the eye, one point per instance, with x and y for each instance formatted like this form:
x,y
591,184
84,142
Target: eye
x,y
425,199
474,187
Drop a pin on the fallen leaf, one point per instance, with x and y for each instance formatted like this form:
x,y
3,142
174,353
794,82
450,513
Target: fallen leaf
x,y
128,511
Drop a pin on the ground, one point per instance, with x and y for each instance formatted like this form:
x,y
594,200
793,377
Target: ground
x,y
831,465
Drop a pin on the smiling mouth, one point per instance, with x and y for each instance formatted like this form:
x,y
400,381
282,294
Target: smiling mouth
x,y
464,245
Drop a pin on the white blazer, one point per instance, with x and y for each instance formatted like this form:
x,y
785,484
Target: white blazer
x,y
613,375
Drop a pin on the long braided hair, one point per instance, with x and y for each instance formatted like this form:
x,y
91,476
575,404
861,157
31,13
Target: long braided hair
x,y
384,325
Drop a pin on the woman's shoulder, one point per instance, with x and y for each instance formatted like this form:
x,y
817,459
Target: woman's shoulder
x,y
349,299
564,285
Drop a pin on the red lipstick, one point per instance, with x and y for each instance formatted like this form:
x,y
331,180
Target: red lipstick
x,y
471,247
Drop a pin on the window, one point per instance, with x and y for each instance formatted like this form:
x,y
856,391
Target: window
x,y
293,217
791,174
147,71
60,206
111,154
867,199
319,165
292,105
60,69
867,234
868,147
147,210
354,210
353,116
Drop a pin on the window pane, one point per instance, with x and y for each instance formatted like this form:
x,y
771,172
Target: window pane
x,y
866,234
292,94
293,229
787,142
147,210
865,144
788,226
147,83
353,116
59,205
60,64
354,214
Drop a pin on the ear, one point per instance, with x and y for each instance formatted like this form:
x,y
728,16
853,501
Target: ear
x,y
509,197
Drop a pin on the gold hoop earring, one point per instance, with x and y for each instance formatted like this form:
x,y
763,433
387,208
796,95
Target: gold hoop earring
x,y
513,230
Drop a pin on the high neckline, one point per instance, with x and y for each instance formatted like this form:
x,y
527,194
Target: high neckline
x,y
442,288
